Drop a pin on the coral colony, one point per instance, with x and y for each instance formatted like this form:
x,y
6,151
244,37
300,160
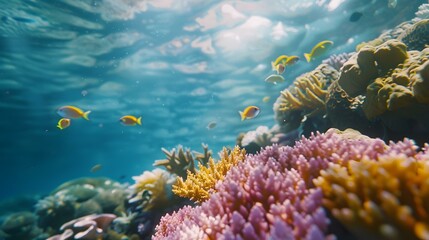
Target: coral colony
x,y
310,176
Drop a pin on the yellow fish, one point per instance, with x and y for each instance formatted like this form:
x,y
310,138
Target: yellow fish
x,y
72,112
279,60
63,123
318,50
129,120
291,60
249,112
266,99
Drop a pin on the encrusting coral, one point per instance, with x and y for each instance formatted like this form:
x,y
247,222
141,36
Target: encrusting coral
x,y
183,161
200,185
383,198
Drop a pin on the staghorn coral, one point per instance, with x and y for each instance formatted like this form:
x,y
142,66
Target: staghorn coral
x,y
272,194
152,188
199,186
183,161
256,200
383,199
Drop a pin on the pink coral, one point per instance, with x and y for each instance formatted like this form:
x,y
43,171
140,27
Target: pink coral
x,y
271,195
258,199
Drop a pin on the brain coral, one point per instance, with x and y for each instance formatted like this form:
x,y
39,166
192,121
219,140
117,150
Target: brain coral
x,y
383,198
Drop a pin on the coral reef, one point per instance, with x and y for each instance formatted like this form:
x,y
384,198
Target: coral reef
x,y
89,227
422,12
199,186
384,83
248,203
78,198
416,36
183,161
337,60
21,226
380,198
152,189
258,199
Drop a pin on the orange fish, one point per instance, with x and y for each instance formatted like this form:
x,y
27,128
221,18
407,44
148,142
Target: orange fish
x,y
72,112
63,123
249,112
129,120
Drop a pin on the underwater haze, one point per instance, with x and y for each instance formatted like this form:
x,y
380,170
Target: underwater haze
x,y
179,64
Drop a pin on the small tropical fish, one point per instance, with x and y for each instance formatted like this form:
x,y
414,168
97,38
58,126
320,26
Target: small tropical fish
x,y
266,99
211,125
72,112
279,60
274,79
318,50
392,3
63,123
96,168
249,112
291,60
129,120
355,16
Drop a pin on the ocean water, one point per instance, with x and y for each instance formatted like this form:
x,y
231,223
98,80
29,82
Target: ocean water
x,y
179,64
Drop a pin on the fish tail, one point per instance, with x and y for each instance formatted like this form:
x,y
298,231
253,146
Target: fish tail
x,y
242,115
85,115
59,126
307,56
139,121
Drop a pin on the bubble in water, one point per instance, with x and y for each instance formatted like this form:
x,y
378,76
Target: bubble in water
x,y
84,93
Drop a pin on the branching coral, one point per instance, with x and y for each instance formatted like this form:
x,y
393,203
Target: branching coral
x,y
384,199
182,161
309,91
156,184
256,200
199,186
271,194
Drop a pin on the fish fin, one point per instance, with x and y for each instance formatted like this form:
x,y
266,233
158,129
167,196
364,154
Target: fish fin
x,y
307,56
59,126
139,121
241,115
85,115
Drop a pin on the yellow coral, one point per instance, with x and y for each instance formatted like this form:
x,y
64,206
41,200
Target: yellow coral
x,y
309,91
199,186
155,183
386,198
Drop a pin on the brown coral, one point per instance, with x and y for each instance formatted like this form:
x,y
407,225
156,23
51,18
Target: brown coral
x,y
382,199
199,186
416,36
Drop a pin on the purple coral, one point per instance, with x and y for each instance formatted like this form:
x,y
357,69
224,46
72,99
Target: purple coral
x,y
271,195
337,60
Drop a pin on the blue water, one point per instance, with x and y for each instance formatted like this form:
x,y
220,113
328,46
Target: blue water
x,y
178,64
